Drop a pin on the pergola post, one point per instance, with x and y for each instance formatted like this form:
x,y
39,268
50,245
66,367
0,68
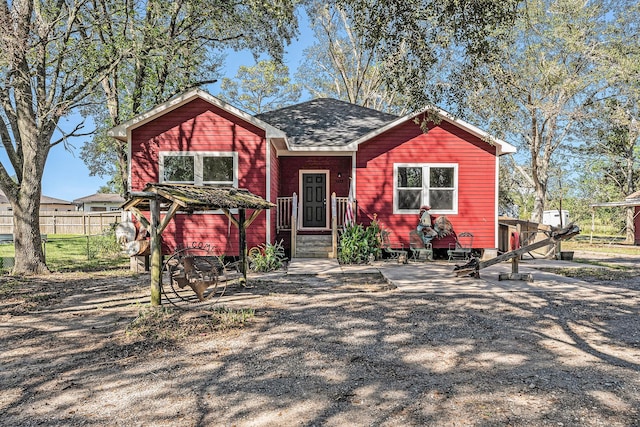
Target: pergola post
x,y
243,242
156,252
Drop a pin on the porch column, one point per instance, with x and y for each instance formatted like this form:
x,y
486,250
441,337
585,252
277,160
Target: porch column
x,y
334,226
294,224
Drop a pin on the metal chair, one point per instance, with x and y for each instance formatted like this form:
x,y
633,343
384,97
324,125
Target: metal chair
x,y
462,248
394,250
418,247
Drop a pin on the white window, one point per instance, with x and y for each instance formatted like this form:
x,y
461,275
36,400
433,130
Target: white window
x,y
435,185
200,168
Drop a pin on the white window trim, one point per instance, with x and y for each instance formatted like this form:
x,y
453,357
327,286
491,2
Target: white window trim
x,y
198,165
425,187
197,170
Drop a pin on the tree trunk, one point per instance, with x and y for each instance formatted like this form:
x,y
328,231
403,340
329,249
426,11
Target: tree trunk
x,y
25,199
538,205
630,185
29,256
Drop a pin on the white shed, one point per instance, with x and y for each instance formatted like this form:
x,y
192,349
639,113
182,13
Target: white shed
x,y
554,218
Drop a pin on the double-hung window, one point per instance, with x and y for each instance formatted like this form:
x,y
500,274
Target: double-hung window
x,y
199,168
417,184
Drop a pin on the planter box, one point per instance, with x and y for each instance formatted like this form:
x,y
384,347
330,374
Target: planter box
x,y
566,256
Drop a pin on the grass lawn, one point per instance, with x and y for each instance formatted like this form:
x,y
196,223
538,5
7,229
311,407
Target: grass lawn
x,y
66,252
602,244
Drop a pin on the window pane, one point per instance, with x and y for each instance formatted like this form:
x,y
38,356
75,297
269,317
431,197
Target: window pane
x,y
441,178
178,168
441,199
409,177
218,169
409,199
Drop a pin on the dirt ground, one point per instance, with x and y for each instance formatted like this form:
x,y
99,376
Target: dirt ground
x,y
85,349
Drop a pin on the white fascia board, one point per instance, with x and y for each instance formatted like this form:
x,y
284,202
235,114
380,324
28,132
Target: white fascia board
x,y
315,153
323,150
120,132
502,146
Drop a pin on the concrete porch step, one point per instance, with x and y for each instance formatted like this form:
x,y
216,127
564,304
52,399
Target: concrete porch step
x,y
313,246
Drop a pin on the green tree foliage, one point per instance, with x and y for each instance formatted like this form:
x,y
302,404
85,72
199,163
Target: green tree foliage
x,y
168,47
418,42
50,60
536,92
342,65
612,133
263,87
515,198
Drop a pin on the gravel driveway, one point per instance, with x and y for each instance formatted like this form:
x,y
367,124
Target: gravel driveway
x,y
337,350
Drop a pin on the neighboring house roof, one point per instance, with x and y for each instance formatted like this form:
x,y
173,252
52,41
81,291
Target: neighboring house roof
x,y
325,123
120,132
100,198
44,200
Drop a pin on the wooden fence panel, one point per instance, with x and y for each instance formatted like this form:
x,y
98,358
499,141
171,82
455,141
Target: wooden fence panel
x,y
63,222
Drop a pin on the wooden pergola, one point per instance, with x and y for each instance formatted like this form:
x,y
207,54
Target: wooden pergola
x,y
170,199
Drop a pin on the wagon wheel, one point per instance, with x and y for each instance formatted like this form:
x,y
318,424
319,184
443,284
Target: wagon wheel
x,y
191,281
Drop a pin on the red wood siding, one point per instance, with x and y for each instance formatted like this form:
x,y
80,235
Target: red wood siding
x,y
445,143
200,126
290,167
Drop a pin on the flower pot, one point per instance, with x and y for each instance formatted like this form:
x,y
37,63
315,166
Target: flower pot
x,y
566,256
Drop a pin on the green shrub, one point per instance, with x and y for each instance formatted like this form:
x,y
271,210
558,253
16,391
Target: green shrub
x,y
357,244
267,257
104,245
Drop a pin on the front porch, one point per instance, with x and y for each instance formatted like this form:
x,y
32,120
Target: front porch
x,y
318,241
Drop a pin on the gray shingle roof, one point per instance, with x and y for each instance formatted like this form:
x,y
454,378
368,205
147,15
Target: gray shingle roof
x,y
44,200
325,122
101,198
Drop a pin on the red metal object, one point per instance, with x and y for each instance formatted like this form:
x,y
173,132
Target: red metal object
x,y
514,240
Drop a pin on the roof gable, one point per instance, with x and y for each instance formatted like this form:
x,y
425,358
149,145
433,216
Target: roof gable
x,y
121,131
502,147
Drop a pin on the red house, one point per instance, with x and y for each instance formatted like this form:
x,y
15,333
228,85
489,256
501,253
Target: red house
x,y
315,149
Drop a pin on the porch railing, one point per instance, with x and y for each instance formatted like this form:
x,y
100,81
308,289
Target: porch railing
x,y
284,210
283,213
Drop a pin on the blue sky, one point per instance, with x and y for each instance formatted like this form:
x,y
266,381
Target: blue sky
x,y
66,177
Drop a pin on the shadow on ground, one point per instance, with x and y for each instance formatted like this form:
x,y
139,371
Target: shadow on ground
x,y
369,355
